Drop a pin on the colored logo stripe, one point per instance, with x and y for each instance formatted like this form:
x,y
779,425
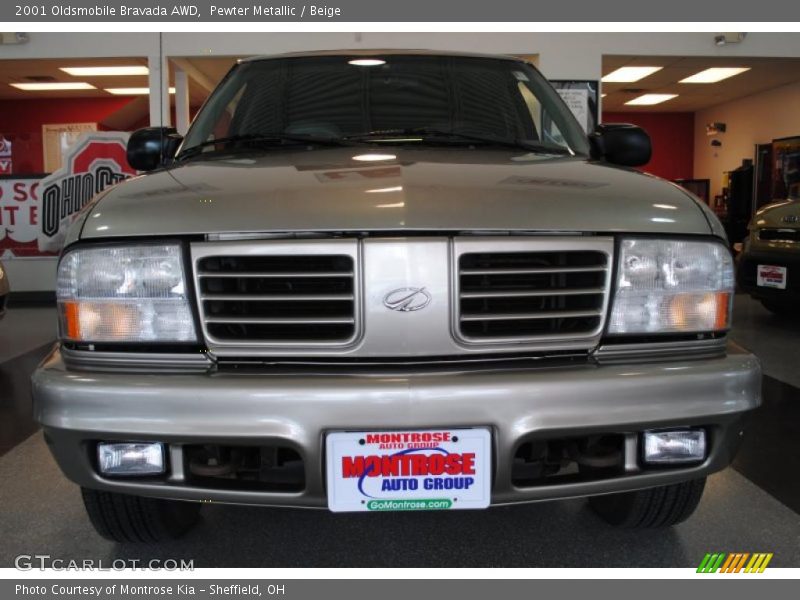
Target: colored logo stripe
x,y
734,562
758,563
710,563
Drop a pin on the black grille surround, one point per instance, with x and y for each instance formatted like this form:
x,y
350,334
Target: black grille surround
x,y
278,299
779,234
529,295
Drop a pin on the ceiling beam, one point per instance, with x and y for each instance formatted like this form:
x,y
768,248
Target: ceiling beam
x,y
194,73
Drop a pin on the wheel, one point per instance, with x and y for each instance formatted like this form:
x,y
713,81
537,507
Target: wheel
x,y
783,309
123,518
653,507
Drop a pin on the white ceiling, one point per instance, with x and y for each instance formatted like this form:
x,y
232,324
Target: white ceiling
x,y
764,74
24,71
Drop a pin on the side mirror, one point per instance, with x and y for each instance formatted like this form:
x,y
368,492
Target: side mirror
x,y
621,144
152,147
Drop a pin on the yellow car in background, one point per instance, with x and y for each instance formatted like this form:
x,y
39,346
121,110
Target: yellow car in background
x,y
769,266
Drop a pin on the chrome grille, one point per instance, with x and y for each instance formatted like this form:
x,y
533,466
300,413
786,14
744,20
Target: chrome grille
x,y
779,235
277,299
531,294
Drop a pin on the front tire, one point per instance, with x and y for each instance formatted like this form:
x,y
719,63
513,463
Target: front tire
x,y
654,507
133,519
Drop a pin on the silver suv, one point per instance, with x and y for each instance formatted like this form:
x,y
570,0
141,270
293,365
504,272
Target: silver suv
x,y
375,281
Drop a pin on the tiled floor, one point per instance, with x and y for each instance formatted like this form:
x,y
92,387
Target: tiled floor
x,y
752,507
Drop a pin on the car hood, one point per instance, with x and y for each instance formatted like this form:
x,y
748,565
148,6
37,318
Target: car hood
x,y
784,215
419,189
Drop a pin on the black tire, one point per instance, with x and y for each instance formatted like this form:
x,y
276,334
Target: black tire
x,y
133,519
654,507
782,309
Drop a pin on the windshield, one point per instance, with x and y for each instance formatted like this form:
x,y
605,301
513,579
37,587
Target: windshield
x,y
410,99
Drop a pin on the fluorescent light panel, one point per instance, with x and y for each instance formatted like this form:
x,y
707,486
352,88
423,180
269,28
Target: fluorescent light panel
x,y
106,71
650,99
629,74
133,91
53,86
714,74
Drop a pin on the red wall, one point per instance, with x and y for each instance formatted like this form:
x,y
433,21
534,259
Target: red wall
x,y
672,135
21,122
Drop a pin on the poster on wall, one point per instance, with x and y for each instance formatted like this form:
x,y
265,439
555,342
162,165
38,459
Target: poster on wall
x,y
19,217
581,98
786,168
57,139
96,161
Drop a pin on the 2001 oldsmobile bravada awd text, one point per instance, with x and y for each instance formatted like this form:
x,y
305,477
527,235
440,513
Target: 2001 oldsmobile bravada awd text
x,y
391,280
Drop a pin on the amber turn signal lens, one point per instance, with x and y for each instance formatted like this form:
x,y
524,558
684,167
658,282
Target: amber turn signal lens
x,y
690,312
72,324
723,311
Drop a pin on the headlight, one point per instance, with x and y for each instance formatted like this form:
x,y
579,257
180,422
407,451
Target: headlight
x,y
124,294
672,286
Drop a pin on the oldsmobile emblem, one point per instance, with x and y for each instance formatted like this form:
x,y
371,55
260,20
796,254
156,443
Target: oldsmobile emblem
x,y
407,299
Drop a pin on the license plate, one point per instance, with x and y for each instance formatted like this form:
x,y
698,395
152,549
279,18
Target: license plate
x,y
380,471
771,276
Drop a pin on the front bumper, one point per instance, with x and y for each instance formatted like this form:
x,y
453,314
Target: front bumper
x,y
747,280
77,409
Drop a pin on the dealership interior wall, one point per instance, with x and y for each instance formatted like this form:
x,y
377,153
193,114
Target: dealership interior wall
x,y
681,146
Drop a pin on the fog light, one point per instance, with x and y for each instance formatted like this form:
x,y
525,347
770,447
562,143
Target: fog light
x,y
664,447
130,458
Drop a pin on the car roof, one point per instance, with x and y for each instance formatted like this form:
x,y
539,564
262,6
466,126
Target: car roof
x,y
383,52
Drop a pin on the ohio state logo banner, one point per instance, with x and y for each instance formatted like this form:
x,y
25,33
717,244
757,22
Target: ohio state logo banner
x,y
96,161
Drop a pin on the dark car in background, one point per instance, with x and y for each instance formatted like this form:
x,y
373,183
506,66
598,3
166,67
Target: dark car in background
x,y
769,265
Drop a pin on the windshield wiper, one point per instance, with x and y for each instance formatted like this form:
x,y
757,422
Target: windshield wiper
x,y
264,140
432,134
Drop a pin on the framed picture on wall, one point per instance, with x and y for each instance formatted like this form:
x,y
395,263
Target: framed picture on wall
x,y
582,99
57,140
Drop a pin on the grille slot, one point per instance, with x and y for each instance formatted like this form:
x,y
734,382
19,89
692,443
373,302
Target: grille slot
x,y
531,295
780,235
278,299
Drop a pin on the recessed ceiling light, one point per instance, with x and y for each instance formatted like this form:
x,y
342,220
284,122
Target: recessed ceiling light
x,y
374,157
49,87
133,91
366,62
650,99
629,74
105,71
714,74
